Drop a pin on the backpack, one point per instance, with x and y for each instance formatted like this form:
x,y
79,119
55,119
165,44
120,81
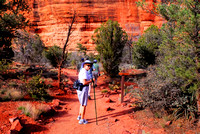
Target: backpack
x,y
77,85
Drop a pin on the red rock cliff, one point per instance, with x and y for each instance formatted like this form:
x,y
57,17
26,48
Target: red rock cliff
x,y
50,19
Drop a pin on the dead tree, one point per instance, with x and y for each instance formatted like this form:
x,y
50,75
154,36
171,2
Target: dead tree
x,y
65,52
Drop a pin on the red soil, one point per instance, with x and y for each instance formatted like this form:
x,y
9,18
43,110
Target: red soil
x,y
112,118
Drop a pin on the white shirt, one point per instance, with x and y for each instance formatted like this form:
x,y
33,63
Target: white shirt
x,y
83,74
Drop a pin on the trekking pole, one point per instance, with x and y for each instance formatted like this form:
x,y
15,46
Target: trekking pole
x,y
95,102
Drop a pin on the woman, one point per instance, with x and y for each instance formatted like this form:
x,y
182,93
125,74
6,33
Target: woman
x,y
85,79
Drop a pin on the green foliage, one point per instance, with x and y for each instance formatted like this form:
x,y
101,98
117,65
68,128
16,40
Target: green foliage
x,y
159,94
29,47
144,50
54,55
91,57
81,48
173,84
11,18
179,50
36,88
73,58
110,40
4,66
114,85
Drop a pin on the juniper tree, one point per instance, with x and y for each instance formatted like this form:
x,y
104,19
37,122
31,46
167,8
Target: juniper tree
x,y
11,18
145,49
178,60
110,40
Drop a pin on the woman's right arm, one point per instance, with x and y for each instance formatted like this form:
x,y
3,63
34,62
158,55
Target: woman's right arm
x,y
85,82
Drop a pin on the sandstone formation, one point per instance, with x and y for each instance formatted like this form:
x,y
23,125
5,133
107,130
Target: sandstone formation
x,y
50,19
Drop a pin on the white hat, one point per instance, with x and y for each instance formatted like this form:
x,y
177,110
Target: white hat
x,y
87,62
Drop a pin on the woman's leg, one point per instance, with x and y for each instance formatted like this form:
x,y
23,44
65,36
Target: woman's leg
x,y
80,109
83,109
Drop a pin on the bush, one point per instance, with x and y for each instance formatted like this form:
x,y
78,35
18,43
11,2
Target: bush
x,y
10,93
160,95
4,66
12,17
73,58
29,48
54,55
110,40
34,110
144,50
81,48
35,87
143,56
174,83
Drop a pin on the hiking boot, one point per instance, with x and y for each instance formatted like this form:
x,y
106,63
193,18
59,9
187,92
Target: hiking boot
x,y
83,121
79,117
89,98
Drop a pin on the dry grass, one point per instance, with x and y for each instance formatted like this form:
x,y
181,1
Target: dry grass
x,y
10,93
34,110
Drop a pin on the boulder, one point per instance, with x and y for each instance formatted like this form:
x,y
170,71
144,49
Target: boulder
x,y
55,102
168,123
13,119
16,126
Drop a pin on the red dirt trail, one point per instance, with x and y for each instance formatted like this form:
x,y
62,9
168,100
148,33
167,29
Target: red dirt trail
x,y
118,120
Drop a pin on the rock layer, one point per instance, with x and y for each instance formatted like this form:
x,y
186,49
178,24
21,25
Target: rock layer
x,y
50,19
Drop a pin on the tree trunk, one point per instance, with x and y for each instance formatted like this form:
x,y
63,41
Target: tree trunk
x,y
59,76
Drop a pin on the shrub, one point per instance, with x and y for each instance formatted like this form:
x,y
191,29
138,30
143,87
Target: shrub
x,y
12,17
73,58
160,95
81,48
174,83
29,48
110,40
144,50
4,66
34,110
35,87
10,93
142,56
54,55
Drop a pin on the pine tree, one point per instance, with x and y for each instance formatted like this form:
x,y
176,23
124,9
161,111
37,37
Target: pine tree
x,y
110,40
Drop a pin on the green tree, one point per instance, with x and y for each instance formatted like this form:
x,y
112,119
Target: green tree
x,y
54,54
11,18
110,40
181,43
178,59
145,49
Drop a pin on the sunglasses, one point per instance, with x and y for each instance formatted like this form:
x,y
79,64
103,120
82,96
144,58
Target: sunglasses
x,y
88,65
